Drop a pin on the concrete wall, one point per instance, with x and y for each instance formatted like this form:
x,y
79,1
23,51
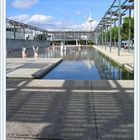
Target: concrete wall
x,y
19,43
14,46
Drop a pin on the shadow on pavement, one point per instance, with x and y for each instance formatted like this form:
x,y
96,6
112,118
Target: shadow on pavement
x,y
80,110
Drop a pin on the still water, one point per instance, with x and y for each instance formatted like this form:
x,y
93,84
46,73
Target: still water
x,y
85,64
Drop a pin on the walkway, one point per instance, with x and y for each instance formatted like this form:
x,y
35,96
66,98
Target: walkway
x,y
126,59
69,110
30,67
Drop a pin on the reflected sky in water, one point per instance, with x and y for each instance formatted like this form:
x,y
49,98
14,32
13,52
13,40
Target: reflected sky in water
x,y
85,64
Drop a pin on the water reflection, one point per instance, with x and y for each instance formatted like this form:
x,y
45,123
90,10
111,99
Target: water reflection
x,y
84,64
110,70
79,62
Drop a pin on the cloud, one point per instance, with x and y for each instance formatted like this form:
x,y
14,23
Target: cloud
x,y
34,19
51,23
40,19
21,18
61,25
23,4
85,26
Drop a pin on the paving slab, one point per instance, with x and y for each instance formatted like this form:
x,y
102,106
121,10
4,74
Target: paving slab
x,y
50,109
114,109
69,110
30,67
126,59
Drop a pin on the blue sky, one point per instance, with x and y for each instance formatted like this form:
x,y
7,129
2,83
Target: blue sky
x,y
57,14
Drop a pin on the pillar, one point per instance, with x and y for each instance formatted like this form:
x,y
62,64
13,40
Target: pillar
x,y
129,37
105,33
111,30
14,32
119,28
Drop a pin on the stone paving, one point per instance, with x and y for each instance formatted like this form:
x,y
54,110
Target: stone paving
x,y
30,67
70,110
126,59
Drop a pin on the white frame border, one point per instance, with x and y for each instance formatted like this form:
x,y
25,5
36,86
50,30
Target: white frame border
x,y
137,70
2,70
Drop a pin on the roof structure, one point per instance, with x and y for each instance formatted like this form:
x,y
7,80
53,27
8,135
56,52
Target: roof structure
x,y
23,25
113,12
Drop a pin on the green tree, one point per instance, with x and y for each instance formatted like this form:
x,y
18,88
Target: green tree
x,y
115,33
125,28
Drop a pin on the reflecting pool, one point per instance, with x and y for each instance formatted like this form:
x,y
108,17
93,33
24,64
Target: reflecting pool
x,y
85,64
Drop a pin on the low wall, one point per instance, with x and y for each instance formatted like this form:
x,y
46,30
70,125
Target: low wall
x,y
14,46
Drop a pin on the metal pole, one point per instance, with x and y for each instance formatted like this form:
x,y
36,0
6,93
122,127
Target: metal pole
x,y
98,40
115,23
107,36
111,31
35,35
86,42
64,38
114,36
102,35
105,33
129,37
24,31
119,29
14,32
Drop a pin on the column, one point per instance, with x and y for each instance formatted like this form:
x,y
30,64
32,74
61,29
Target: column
x,y
105,33
102,36
119,29
14,32
129,37
111,30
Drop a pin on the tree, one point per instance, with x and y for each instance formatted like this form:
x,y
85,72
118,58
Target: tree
x,y
124,31
125,28
115,33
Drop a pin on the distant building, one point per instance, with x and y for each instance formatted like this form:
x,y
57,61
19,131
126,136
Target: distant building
x,y
69,36
12,33
18,30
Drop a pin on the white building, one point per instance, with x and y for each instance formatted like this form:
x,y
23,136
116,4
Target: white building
x,y
17,30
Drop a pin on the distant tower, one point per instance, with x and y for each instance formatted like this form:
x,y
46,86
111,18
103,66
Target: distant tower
x,y
90,20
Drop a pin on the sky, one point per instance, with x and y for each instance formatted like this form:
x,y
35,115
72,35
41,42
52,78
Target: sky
x,y
58,14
